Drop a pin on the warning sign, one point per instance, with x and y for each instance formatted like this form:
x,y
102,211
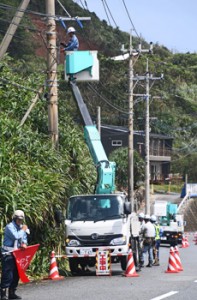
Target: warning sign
x,y
103,262
23,258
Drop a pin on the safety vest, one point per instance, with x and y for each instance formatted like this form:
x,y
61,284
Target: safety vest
x,y
157,232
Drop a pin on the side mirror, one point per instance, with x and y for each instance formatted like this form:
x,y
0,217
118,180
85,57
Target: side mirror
x,y
127,208
58,215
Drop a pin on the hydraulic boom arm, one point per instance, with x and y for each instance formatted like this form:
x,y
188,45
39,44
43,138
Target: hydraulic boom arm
x,y
105,169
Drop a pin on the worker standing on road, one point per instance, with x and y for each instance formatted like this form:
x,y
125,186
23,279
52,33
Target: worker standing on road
x,y
73,43
15,237
158,234
141,220
148,240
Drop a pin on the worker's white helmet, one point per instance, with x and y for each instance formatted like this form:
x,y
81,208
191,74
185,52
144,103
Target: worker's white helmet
x,y
141,215
18,214
147,217
71,29
153,218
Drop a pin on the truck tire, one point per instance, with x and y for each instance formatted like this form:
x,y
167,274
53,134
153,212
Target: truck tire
x,y
73,264
123,262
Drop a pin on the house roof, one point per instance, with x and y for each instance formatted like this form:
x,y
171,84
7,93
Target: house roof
x,y
136,132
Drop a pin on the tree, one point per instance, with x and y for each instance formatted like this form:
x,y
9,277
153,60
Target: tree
x,y
120,156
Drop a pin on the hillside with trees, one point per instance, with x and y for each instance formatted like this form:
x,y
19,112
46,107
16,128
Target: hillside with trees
x,y
38,179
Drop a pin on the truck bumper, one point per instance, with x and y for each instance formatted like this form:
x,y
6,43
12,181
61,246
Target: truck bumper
x,y
121,250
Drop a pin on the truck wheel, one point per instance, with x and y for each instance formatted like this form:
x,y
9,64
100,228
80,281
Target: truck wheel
x,y
123,262
73,264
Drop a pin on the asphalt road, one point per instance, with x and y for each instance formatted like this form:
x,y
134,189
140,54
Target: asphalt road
x,y
152,284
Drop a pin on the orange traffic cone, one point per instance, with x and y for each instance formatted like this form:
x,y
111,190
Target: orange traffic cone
x,y
195,238
177,258
172,267
53,271
186,241
183,243
130,270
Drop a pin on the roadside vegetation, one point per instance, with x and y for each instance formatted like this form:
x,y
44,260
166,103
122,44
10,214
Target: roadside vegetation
x,y
38,179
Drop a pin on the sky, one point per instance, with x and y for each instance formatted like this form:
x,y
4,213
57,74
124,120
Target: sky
x,y
172,23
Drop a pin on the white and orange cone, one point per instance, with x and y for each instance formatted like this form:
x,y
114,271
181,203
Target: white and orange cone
x,y
186,242
183,243
195,238
130,270
177,258
53,271
172,266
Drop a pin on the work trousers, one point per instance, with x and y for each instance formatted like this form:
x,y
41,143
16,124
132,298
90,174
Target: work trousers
x,y
9,276
157,246
149,249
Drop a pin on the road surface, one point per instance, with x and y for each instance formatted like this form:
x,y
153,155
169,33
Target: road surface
x,y
152,284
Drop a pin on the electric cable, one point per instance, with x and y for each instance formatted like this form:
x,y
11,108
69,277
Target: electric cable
x,y
130,19
110,13
106,12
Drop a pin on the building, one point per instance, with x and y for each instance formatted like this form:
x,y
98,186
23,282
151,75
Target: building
x,y
114,137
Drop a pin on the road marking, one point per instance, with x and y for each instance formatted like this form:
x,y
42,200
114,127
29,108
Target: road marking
x,y
165,295
195,281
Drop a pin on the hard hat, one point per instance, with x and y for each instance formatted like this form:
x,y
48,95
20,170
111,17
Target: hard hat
x,y
147,217
71,29
18,214
153,218
141,215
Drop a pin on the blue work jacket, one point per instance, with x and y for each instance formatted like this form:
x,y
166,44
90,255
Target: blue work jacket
x,y
73,44
13,232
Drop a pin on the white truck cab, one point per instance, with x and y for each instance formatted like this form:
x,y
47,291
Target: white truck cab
x,y
96,222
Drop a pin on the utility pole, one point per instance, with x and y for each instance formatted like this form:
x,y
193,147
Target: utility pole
x,y
52,83
13,27
130,125
147,142
147,79
132,54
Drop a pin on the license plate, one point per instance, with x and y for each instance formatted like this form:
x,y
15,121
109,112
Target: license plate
x,y
86,251
163,238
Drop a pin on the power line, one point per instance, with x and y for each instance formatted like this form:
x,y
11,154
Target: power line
x,y
130,19
106,12
110,13
105,100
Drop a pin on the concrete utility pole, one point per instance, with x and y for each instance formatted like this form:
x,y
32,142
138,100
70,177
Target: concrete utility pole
x,y
147,146
147,79
132,54
52,83
130,125
13,27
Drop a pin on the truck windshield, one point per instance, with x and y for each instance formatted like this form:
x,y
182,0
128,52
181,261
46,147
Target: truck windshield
x,y
95,207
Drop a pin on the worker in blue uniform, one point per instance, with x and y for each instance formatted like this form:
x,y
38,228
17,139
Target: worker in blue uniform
x,y
73,43
15,236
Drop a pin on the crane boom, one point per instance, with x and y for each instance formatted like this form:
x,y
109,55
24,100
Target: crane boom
x,y
105,169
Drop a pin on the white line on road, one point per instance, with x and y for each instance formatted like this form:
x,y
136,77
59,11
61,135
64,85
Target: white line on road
x,y
165,295
195,281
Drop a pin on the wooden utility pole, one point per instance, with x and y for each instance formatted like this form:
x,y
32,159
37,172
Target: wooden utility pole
x,y
52,83
13,27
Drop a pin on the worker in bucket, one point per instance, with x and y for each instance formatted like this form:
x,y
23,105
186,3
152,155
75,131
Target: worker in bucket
x,y
15,236
158,234
73,43
148,241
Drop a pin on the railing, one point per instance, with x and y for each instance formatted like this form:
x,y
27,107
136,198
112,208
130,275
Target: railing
x,y
160,152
